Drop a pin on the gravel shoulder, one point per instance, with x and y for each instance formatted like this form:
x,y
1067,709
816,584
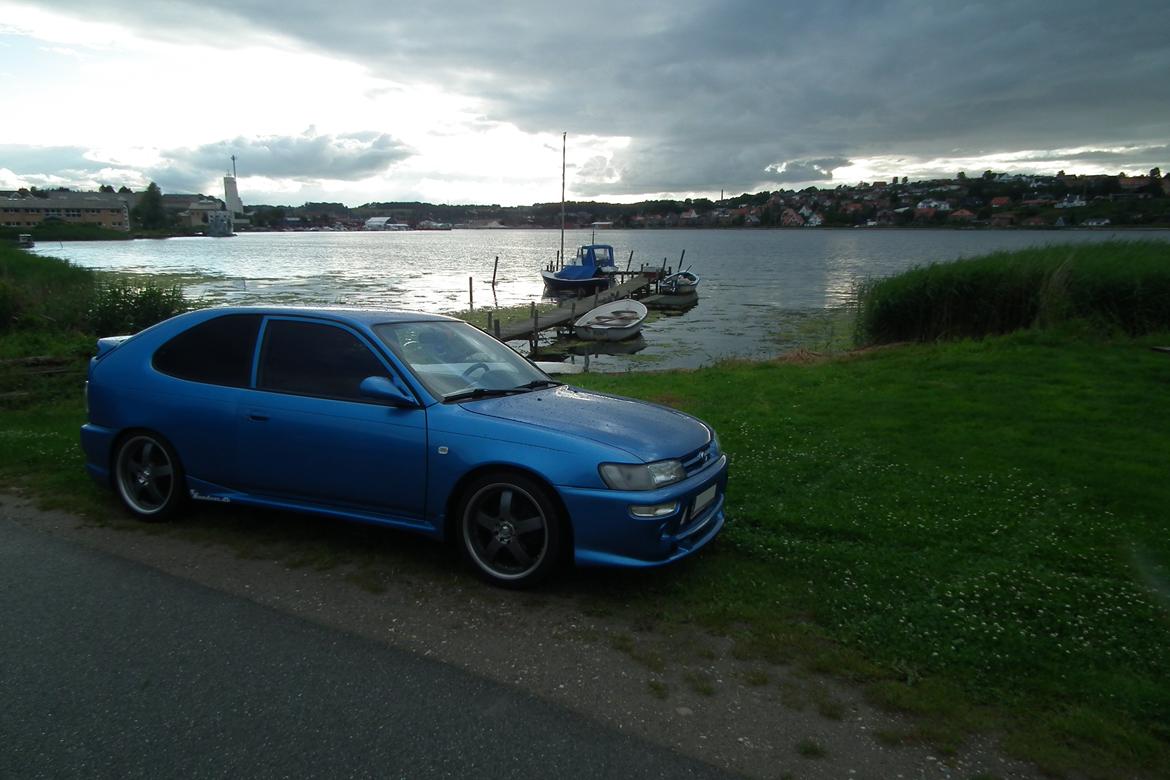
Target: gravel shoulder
x,y
750,718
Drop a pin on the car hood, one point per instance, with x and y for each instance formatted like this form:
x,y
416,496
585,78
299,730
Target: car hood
x,y
644,430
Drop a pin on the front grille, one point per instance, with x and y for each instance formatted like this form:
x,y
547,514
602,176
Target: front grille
x,y
700,458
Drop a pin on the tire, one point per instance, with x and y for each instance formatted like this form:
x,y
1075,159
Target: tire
x,y
511,530
148,476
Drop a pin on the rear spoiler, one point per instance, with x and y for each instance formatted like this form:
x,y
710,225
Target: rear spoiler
x,y
108,344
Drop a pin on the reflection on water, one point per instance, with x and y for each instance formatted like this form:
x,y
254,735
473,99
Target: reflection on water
x,y
758,286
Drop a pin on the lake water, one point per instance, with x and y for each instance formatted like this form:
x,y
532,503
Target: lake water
x,y
760,288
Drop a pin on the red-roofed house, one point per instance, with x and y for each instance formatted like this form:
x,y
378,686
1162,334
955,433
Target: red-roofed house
x,y
790,218
1132,182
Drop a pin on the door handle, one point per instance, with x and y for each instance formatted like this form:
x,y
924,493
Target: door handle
x,y
256,416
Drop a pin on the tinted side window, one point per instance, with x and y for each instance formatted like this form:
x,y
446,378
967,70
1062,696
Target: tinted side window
x,y
308,358
218,351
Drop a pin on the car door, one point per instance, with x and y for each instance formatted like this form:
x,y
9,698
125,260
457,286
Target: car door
x,y
310,435
209,368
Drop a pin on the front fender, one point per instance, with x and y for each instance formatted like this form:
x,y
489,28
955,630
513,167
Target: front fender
x,y
460,442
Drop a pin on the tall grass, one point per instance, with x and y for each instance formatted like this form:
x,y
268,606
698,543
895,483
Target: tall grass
x,y
51,295
65,231
120,307
1117,285
43,292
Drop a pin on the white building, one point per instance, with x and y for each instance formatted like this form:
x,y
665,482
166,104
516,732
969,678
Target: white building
x,y
1071,202
231,196
384,223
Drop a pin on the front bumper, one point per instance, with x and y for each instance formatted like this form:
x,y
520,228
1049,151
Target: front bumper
x,y
606,533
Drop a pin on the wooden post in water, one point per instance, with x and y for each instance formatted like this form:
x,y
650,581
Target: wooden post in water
x,y
535,328
489,327
471,293
496,324
495,268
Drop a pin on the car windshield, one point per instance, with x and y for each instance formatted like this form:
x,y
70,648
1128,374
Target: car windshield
x,y
455,360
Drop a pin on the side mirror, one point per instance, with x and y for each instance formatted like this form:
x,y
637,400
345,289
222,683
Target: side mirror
x,y
383,389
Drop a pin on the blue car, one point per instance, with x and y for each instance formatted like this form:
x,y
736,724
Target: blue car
x,y
414,421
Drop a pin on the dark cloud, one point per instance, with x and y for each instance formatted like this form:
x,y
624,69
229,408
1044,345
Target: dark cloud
x,y
65,166
712,93
791,171
1154,155
307,157
37,159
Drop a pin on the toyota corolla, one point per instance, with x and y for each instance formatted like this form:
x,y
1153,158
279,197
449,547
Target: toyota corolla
x,y
415,421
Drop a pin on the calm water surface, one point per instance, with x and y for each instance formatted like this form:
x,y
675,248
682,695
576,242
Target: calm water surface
x,y
759,288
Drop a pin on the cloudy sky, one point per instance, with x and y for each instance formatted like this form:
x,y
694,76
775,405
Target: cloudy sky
x,y
465,102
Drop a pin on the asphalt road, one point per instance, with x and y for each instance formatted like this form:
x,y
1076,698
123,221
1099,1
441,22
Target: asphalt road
x,y
110,668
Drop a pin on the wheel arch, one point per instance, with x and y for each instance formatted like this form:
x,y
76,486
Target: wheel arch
x,y
121,436
176,497
459,489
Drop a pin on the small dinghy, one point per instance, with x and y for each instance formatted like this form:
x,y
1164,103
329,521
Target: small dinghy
x,y
612,321
682,283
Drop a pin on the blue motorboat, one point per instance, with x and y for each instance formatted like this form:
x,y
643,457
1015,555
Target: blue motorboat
x,y
592,269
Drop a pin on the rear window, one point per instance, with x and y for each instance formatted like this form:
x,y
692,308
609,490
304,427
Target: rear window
x,y
217,352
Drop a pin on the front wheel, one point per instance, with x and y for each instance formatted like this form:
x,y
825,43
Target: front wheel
x,y
148,476
511,530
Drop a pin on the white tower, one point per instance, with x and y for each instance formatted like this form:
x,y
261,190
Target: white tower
x,y
231,195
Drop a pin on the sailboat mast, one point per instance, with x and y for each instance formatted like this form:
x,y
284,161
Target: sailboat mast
x,y
564,136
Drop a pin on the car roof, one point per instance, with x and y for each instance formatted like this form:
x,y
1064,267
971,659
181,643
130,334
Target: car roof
x,y
352,314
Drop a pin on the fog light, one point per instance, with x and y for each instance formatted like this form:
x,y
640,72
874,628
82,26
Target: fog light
x,y
654,510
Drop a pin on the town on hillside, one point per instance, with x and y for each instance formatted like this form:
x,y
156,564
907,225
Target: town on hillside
x,y
992,200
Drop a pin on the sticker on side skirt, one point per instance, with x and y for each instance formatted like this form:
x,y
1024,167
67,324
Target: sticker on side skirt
x,y
195,494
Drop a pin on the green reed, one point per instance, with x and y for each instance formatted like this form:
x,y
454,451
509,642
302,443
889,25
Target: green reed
x,y
1114,285
50,295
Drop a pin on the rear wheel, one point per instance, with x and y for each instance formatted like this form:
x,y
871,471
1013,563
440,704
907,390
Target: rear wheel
x,y
148,476
511,530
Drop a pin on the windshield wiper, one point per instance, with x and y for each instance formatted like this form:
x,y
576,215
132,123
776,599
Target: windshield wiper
x,y
486,392
536,384
482,392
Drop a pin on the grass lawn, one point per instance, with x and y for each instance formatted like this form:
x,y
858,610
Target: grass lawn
x,y
979,528
975,531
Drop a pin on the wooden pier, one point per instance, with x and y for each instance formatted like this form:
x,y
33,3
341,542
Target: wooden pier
x,y
568,312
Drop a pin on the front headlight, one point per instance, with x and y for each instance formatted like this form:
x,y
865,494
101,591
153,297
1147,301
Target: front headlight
x,y
642,476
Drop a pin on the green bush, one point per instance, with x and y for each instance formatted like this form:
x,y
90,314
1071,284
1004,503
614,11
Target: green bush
x,y
7,303
121,307
42,292
1122,285
65,231
48,294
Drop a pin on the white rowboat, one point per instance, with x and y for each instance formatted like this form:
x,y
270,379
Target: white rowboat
x,y
612,321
